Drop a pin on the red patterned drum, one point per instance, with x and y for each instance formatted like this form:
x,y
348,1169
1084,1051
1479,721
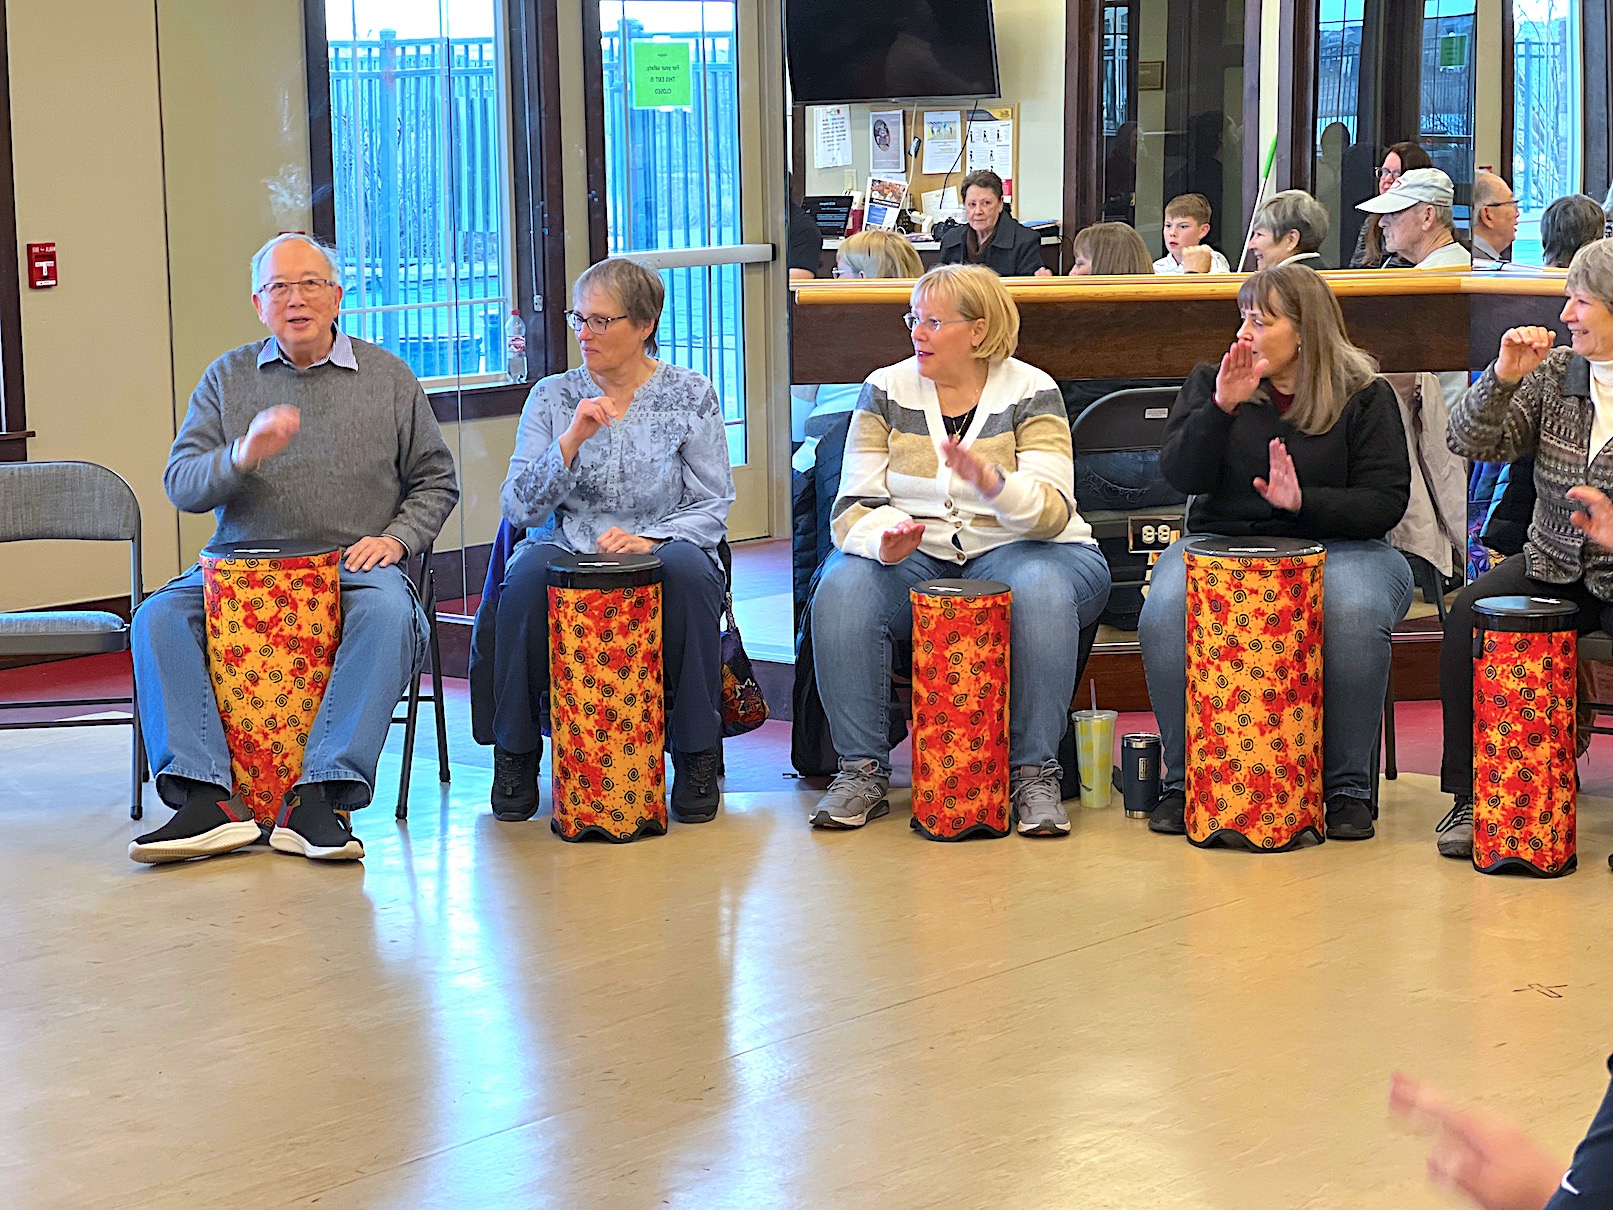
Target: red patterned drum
x,y
274,618
1254,691
606,701
1525,655
960,709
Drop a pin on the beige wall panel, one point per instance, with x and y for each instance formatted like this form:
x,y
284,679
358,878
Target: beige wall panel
x,y
88,159
1487,86
235,141
483,448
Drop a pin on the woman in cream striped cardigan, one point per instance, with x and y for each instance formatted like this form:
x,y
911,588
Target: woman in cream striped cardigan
x,y
957,464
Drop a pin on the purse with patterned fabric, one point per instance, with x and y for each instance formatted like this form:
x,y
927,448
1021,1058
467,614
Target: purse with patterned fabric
x,y
743,707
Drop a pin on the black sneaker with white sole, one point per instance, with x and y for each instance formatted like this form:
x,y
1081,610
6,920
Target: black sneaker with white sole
x,y
310,825
205,826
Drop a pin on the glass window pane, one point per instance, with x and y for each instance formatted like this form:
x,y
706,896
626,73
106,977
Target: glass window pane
x,y
1449,36
421,168
1547,139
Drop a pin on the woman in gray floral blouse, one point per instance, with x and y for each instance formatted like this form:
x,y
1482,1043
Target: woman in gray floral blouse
x,y
624,455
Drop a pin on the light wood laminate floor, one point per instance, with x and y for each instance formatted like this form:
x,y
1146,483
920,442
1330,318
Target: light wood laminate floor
x,y
751,1014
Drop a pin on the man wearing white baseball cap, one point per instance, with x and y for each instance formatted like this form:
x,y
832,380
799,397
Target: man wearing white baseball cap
x,y
1416,220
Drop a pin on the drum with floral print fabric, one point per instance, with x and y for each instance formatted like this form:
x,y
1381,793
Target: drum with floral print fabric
x,y
607,705
274,619
1254,691
1525,656
960,709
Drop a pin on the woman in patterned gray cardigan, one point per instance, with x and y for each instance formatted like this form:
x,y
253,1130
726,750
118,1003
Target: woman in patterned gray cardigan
x,y
1555,405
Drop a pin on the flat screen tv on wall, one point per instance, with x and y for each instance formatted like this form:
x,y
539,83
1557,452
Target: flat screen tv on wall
x,y
890,50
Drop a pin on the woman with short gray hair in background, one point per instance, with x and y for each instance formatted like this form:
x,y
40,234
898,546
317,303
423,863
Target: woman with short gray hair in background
x,y
1568,225
1290,226
1535,387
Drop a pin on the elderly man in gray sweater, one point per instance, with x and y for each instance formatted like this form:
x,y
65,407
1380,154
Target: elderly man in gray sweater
x,y
313,437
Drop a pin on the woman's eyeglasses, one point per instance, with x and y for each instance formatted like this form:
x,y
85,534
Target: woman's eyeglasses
x,y
930,324
597,324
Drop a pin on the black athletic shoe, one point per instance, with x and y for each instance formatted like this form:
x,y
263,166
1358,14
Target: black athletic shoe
x,y
695,793
515,784
1170,814
1349,819
205,826
310,825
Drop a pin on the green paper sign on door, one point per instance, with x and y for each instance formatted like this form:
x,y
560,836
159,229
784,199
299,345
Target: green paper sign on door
x,y
661,75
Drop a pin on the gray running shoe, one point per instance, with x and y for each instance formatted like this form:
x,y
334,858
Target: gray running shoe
x,y
1456,830
857,794
1033,793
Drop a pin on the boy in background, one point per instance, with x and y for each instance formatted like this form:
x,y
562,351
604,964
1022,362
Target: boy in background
x,y
1187,222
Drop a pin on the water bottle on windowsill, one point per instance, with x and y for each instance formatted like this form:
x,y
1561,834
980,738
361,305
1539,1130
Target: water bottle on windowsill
x,y
515,347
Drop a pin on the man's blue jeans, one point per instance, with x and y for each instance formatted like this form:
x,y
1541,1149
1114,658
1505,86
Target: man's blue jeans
x,y
862,606
1366,589
383,642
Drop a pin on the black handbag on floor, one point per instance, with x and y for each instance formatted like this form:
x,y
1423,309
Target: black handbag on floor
x,y
743,706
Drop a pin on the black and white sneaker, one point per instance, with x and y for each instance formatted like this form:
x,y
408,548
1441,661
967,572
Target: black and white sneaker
x,y
515,784
204,826
310,826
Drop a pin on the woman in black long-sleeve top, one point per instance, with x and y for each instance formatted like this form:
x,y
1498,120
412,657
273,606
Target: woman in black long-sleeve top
x,y
1294,435
992,237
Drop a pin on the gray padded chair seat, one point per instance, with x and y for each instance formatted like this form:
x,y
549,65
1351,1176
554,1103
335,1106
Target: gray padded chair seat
x,y
62,632
1596,646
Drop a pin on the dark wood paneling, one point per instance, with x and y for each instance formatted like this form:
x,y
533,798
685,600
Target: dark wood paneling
x,y
1402,70
321,166
593,112
1083,115
1166,338
479,403
798,153
13,413
1296,97
1597,64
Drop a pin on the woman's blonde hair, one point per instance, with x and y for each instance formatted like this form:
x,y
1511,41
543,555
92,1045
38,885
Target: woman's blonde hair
x,y
975,292
1330,368
877,253
1112,248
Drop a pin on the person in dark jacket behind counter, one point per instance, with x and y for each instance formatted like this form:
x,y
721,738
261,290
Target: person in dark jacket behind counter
x,y
992,237
1293,435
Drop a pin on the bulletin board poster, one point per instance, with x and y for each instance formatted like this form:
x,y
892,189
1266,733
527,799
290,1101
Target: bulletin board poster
x,y
887,142
885,198
833,144
662,75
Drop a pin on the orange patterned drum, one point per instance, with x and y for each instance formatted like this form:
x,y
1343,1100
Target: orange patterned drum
x,y
606,701
960,709
274,618
1254,691
1525,655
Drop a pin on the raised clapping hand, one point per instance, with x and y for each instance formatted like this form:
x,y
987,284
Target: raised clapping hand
x,y
962,462
899,541
617,541
1595,520
1239,376
1522,350
1282,489
1490,1160
368,553
270,432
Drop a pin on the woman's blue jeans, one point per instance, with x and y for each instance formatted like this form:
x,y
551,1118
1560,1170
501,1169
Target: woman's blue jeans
x,y
862,608
1366,589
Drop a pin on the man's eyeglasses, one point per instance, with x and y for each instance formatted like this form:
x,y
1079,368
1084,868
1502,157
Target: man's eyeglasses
x,y
1499,205
597,324
930,325
308,287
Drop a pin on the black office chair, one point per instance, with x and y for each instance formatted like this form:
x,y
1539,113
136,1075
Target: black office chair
x,y
77,501
1124,422
425,586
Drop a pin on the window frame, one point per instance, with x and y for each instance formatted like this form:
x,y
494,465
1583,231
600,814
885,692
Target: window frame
x,y
14,431
536,188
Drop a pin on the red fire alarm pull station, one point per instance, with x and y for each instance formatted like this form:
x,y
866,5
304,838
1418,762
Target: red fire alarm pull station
x,y
41,266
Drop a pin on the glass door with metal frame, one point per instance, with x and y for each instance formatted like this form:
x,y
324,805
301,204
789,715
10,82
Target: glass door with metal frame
x,y
673,75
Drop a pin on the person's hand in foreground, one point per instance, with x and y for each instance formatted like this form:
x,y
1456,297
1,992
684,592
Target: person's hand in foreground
x,y
1488,1159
